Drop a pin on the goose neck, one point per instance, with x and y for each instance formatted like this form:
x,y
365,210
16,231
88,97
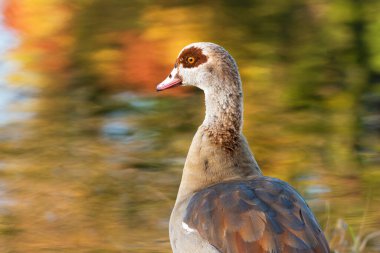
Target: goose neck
x,y
223,112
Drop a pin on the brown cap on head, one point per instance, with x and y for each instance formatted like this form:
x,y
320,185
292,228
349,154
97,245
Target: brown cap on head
x,y
191,57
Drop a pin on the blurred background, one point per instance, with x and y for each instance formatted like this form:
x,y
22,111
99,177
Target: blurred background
x,y
91,156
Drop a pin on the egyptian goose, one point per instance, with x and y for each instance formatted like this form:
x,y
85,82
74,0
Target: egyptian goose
x,y
224,203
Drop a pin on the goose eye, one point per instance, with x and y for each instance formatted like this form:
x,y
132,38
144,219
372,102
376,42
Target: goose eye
x,y
191,60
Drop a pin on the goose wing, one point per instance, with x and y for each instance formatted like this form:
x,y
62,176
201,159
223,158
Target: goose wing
x,y
262,215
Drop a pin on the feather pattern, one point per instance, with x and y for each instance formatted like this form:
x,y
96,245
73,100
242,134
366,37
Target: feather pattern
x,y
261,215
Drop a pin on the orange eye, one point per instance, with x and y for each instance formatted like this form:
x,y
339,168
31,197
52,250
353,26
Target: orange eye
x,y
191,60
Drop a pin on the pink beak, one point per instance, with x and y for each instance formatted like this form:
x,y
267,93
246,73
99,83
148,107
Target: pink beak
x,y
169,82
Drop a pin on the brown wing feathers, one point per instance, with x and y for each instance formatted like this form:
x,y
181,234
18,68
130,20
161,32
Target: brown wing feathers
x,y
260,215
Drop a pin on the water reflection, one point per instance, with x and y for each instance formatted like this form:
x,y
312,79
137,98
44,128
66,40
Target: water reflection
x,y
95,162
9,95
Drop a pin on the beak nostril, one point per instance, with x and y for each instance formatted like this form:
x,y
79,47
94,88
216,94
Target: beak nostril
x,y
170,76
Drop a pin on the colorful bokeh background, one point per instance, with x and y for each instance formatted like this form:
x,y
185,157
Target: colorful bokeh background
x,y
91,156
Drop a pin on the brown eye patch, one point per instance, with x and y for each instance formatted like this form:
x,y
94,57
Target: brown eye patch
x,y
191,57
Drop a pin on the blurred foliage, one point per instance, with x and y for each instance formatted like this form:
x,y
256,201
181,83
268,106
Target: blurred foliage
x,y
97,165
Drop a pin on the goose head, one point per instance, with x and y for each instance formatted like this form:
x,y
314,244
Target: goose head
x,y
204,65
